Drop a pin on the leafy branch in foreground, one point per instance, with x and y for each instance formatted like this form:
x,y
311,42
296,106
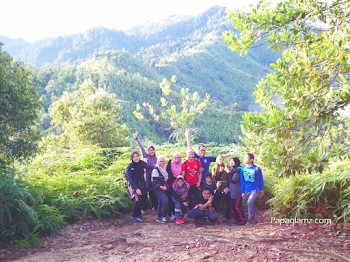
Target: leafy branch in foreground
x,y
300,128
179,109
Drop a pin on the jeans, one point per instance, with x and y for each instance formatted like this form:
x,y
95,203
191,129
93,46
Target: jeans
x,y
163,203
227,198
196,194
236,205
197,213
138,204
251,197
153,198
179,207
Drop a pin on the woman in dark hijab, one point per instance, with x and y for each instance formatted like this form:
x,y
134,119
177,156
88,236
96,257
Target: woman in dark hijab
x,y
137,184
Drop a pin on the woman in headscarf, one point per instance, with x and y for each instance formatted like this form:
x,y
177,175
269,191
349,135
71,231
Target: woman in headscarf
x,y
160,185
219,172
137,184
174,170
151,159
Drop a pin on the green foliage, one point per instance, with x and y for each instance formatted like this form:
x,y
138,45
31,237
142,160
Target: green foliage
x,y
19,107
221,125
180,118
270,181
89,116
81,183
323,195
298,130
22,216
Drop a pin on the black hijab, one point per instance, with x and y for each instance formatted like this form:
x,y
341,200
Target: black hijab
x,y
137,169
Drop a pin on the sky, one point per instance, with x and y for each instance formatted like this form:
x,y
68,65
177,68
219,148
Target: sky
x,y
37,19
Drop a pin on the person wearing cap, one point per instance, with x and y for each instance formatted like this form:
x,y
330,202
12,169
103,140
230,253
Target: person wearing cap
x,y
137,184
180,198
205,160
151,159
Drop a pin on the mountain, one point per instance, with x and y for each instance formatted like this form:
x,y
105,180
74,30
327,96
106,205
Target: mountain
x,y
131,64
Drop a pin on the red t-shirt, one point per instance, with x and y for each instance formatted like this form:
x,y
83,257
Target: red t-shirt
x,y
191,174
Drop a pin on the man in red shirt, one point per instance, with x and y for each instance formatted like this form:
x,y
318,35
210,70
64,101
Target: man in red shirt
x,y
192,172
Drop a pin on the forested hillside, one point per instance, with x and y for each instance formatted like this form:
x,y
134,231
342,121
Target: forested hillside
x,y
131,65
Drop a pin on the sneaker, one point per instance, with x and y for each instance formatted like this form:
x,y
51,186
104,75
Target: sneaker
x,y
172,217
144,212
225,220
163,220
140,218
196,222
134,220
234,222
159,219
153,208
250,223
241,223
180,221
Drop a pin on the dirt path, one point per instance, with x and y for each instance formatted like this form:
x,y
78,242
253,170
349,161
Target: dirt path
x,y
151,241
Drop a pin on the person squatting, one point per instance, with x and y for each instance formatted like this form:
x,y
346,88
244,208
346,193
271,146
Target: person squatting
x,y
188,188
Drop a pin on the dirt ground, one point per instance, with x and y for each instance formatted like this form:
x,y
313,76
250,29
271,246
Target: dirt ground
x,y
118,240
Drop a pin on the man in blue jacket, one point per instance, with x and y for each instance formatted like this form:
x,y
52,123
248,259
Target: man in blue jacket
x,y
205,160
252,185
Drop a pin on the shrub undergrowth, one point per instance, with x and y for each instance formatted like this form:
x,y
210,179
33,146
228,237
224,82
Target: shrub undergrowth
x,y
325,195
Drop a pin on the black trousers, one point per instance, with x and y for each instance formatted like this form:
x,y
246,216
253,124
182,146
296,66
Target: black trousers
x,y
196,195
140,201
236,205
218,196
153,199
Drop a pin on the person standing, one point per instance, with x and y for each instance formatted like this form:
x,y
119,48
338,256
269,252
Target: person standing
x,y
174,170
205,160
209,184
151,159
137,184
252,184
234,183
160,185
192,172
219,171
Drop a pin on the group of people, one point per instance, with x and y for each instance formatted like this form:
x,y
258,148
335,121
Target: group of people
x,y
178,188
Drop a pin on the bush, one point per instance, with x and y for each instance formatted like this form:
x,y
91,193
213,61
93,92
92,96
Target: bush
x,y
270,181
323,195
82,183
22,216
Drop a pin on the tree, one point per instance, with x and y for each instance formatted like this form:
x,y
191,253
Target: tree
x,y
89,116
191,107
300,128
19,105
